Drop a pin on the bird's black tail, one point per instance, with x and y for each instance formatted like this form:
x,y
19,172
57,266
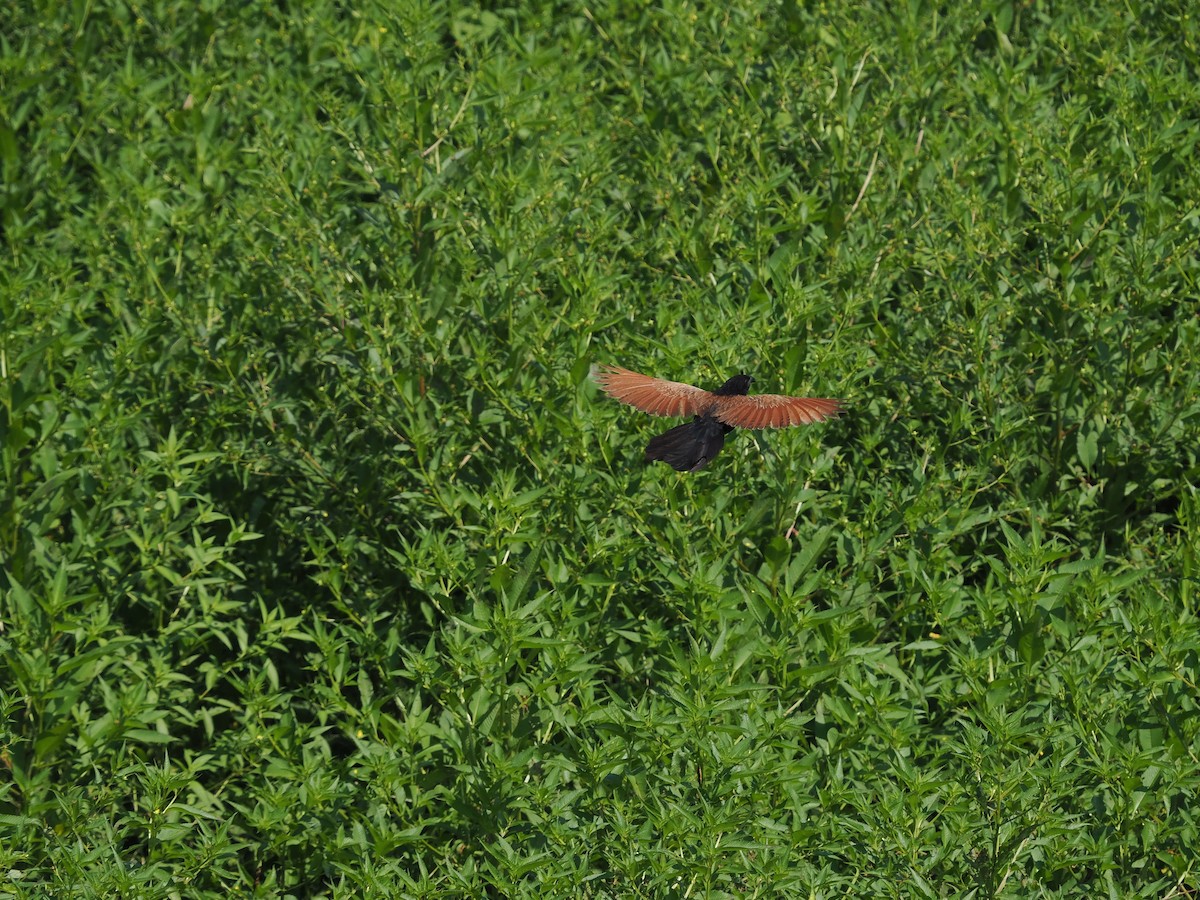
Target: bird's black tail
x,y
691,446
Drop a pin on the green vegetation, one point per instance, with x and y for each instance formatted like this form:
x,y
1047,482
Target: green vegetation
x,y
325,570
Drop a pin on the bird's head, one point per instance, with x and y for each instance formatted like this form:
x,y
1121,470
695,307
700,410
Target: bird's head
x,y
735,386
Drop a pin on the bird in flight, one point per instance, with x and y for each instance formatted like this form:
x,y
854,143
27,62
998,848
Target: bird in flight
x,y
691,446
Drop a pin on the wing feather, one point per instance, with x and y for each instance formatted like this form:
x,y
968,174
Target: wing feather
x,y
653,395
774,410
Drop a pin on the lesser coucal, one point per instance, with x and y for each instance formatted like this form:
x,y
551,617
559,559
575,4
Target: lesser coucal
x,y
691,446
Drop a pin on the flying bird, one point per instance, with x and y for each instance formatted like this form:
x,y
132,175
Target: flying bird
x,y
691,446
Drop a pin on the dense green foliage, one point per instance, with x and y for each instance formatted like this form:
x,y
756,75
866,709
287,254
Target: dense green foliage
x,y
326,571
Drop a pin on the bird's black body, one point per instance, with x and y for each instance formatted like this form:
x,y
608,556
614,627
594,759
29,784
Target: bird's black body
x,y
692,446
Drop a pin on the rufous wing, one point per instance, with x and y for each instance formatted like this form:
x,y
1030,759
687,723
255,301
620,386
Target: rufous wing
x,y
774,410
653,395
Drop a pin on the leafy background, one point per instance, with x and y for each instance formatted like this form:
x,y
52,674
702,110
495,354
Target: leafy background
x,y
325,570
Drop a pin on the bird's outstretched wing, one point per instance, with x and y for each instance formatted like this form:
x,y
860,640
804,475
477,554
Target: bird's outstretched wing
x,y
654,395
774,410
